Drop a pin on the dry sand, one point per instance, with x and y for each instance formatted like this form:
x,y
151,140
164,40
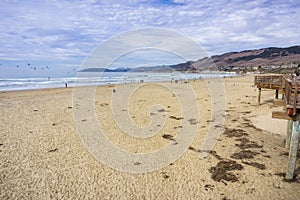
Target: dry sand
x,y
43,157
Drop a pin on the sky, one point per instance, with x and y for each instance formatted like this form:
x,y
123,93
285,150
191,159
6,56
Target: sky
x,y
61,34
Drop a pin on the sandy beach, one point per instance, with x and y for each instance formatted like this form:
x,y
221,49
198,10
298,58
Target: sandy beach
x,y
43,156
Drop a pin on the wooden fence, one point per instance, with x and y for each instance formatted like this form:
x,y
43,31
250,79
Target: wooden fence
x,y
291,92
290,89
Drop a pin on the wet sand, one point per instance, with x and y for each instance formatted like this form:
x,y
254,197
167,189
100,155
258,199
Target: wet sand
x,y
43,157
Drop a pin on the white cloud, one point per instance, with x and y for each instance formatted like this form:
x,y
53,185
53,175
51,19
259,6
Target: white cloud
x,y
67,31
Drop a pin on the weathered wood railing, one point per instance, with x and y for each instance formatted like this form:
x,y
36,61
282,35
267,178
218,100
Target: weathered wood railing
x,y
268,82
289,88
291,92
292,96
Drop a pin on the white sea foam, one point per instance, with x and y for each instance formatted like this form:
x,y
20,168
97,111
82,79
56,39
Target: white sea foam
x,y
10,84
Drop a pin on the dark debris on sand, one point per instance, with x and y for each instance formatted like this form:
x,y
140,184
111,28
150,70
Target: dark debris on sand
x,y
244,154
177,118
209,187
165,175
280,174
294,180
176,127
223,171
193,121
249,125
232,132
192,148
52,150
287,154
214,153
246,112
167,136
246,143
255,164
137,163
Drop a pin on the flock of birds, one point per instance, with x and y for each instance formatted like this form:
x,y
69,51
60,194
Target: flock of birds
x,y
35,68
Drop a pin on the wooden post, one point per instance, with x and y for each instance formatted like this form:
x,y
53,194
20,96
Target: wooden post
x,y
295,99
276,94
288,134
259,95
293,150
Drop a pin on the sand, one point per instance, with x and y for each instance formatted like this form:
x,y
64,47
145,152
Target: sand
x,y
43,156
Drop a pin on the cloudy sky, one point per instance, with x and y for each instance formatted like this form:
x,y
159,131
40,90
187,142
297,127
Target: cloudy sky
x,y
60,34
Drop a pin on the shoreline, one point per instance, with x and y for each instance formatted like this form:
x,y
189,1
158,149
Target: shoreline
x,y
73,84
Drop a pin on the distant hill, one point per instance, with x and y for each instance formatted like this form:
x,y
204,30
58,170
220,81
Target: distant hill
x,y
163,68
271,56
104,70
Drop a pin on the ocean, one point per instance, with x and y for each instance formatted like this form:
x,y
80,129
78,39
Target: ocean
x,y
89,79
